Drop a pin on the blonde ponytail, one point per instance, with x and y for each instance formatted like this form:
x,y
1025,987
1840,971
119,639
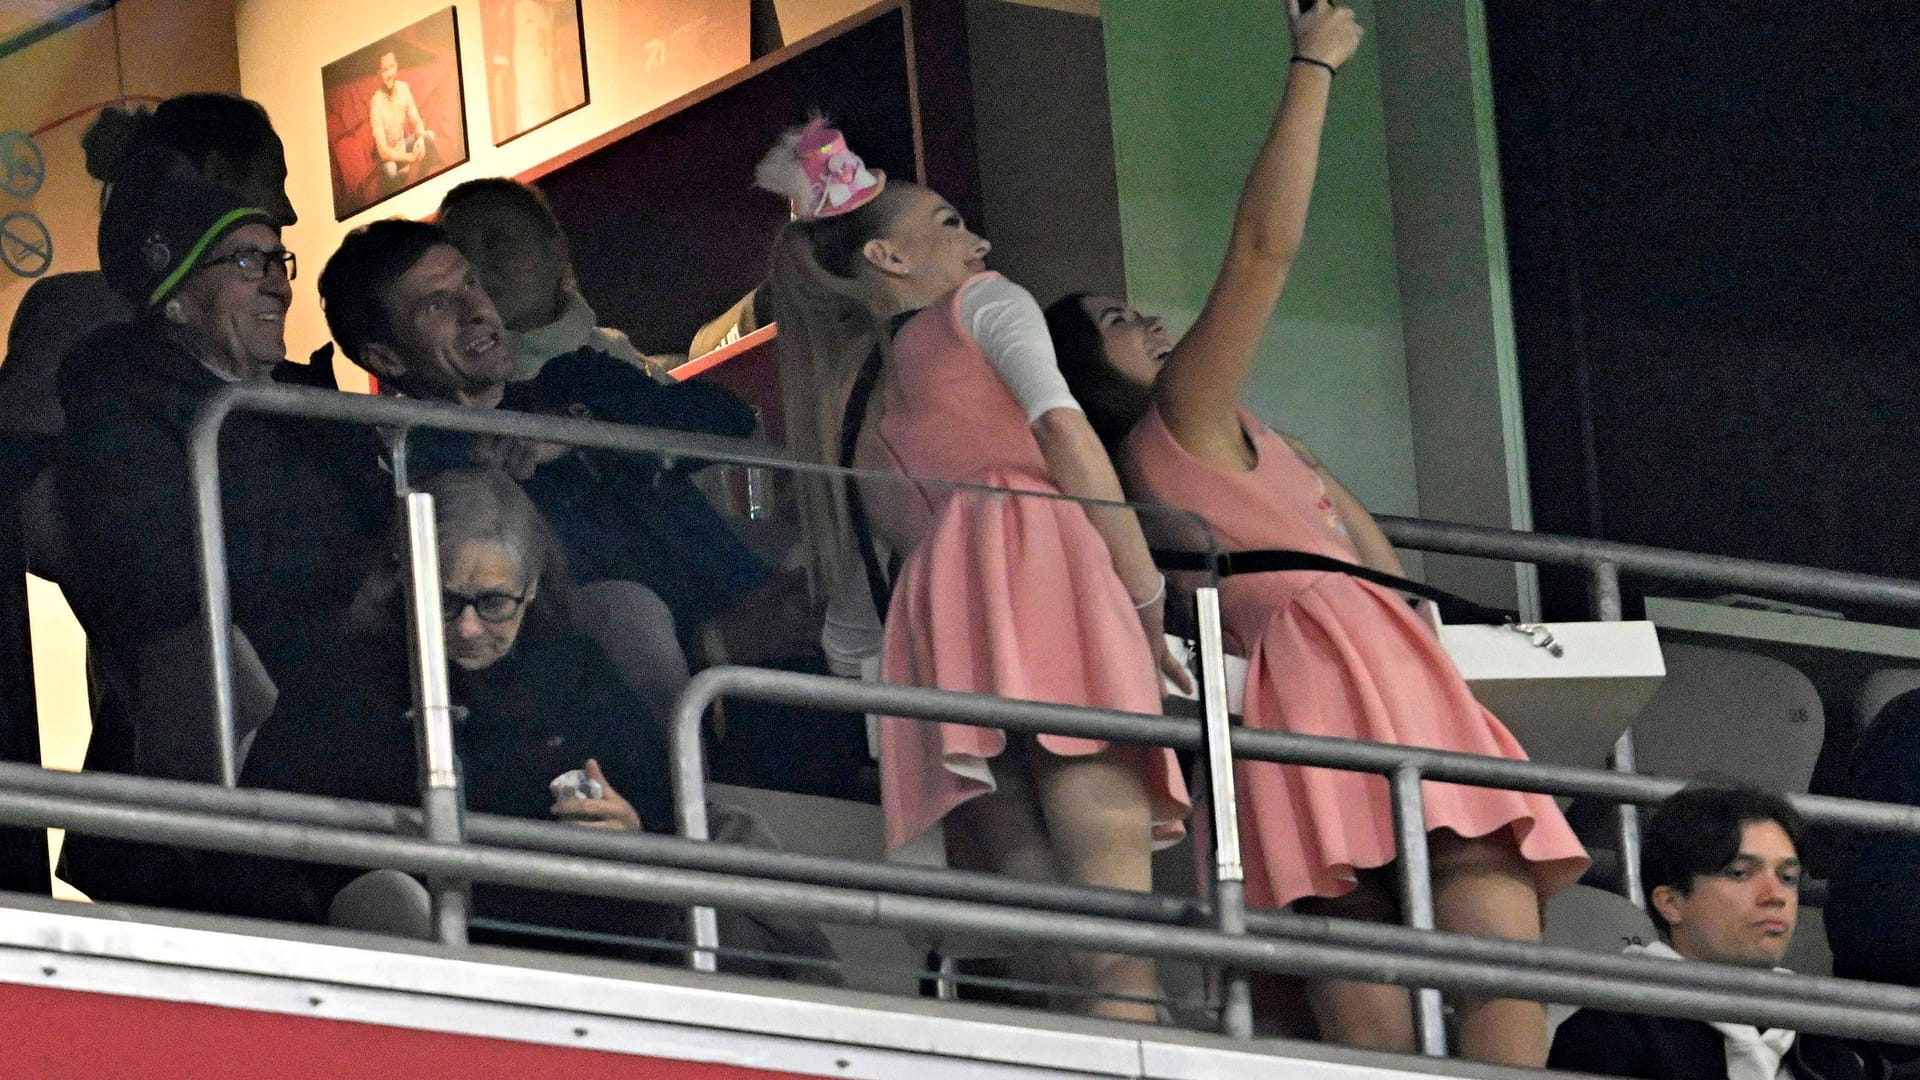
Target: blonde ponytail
x,y
832,317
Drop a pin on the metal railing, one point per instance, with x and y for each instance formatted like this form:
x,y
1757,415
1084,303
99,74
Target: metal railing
x,y
556,857
1604,561
1242,940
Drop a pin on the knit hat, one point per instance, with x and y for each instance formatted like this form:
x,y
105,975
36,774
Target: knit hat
x,y
161,219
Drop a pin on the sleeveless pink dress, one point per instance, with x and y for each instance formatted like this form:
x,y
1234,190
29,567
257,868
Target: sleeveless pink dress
x,y
1014,596
1329,654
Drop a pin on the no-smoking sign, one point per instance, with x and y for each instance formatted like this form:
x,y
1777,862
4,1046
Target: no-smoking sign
x,y
26,248
25,245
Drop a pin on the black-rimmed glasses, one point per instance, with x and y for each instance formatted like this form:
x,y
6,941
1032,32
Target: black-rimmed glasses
x,y
253,262
492,607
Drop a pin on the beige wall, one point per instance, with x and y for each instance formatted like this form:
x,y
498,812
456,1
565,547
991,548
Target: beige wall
x,y
800,18
284,43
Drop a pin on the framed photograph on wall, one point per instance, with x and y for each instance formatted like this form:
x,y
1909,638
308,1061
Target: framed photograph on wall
x,y
536,63
395,113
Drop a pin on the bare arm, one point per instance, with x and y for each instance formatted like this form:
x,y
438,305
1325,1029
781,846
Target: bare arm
x,y
1199,391
1374,548
1080,466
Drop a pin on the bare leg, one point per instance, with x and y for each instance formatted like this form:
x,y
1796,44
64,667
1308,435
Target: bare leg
x,y
1376,1016
1098,818
1001,833
1483,887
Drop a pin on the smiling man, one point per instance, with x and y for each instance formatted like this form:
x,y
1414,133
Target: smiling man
x,y
1722,867
404,304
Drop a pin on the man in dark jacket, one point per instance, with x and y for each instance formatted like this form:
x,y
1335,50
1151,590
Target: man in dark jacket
x,y
303,501
1723,870
406,305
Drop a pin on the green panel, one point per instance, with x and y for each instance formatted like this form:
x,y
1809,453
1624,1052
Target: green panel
x,y
1193,86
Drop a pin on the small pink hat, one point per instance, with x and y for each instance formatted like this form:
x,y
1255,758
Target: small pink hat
x,y
820,176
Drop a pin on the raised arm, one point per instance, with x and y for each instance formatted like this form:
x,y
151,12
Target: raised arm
x,y
1198,392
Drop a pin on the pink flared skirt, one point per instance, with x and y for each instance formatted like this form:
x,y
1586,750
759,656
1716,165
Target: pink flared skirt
x,y
1347,659
1015,597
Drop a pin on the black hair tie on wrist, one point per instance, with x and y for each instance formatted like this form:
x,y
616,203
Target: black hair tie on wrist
x,y
1331,70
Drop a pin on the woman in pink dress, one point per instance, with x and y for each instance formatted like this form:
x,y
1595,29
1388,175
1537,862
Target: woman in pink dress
x,y
1328,654
1023,597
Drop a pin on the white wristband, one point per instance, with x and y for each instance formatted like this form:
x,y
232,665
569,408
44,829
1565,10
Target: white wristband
x,y
1159,594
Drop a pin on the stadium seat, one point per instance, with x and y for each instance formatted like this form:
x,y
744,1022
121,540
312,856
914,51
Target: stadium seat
x,y
1731,716
1594,920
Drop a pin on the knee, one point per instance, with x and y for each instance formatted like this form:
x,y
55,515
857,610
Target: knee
x,y
1484,887
626,600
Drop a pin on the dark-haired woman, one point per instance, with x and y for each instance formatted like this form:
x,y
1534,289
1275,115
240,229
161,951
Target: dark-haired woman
x,y
1328,654
1027,597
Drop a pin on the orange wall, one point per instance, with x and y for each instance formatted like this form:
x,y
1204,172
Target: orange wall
x,y
284,43
142,47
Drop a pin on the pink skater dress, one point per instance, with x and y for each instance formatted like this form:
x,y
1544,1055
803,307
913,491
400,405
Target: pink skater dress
x,y
1013,596
1329,654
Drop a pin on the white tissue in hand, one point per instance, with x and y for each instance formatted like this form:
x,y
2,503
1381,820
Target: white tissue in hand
x,y
575,783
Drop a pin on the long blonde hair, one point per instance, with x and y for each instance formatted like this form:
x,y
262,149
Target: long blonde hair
x,y
833,315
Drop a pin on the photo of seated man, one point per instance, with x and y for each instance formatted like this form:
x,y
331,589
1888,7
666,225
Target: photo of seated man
x,y
401,139
395,113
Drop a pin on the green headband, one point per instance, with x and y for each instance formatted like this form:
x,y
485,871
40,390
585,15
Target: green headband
x,y
199,248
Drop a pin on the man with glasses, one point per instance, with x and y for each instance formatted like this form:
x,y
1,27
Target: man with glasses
x,y
1722,869
304,502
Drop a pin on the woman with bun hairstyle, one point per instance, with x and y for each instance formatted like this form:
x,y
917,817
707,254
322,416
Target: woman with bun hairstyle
x,y
882,297
1328,654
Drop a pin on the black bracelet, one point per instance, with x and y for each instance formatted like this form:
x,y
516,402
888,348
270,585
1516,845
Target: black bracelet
x,y
1331,70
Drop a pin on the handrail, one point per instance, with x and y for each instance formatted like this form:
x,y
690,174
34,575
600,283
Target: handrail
x,y
834,694
403,414
1605,560
135,808
1408,768
1547,549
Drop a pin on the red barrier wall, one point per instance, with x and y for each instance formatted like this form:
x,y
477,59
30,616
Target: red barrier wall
x,y
72,1035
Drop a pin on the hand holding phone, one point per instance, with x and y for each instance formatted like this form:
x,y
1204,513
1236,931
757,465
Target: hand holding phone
x,y
1323,32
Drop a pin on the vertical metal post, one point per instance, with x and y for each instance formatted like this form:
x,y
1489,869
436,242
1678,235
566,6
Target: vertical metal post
x,y
397,460
433,713
1229,876
1416,897
1603,592
1628,829
219,603
690,796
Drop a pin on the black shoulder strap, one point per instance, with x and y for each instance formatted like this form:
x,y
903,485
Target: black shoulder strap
x,y
1229,563
879,583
